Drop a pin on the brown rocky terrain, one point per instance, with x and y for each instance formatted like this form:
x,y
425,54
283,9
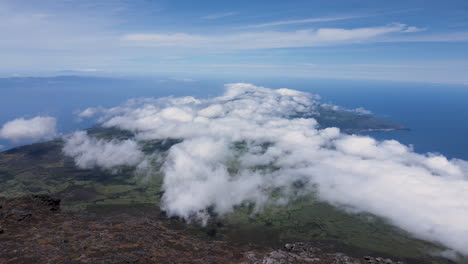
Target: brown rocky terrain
x,y
33,229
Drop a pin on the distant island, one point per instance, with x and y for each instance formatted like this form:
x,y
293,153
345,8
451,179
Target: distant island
x,y
352,122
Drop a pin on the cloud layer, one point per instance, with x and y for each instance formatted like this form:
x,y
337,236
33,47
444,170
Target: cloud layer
x,y
240,146
39,127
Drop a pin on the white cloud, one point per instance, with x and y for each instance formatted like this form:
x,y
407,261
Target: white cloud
x,y
265,40
424,194
303,21
358,110
90,152
39,127
164,39
414,29
362,111
90,112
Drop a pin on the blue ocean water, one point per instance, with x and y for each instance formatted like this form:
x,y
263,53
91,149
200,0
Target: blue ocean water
x,y
437,114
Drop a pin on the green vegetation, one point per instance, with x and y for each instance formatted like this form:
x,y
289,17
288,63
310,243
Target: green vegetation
x,y
351,122
43,169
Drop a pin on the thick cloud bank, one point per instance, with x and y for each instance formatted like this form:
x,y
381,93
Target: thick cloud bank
x,y
238,147
39,127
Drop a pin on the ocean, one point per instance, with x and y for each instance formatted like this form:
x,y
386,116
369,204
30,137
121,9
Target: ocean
x,y
436,114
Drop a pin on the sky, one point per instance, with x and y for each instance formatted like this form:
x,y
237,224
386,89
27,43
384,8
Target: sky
x,y
421,41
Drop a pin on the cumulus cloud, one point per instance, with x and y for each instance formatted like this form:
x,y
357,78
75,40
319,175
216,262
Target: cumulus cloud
x,y
362,111
39,127
238,147
359,110
90,112
89,152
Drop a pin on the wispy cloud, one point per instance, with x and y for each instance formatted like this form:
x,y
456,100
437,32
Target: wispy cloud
x,y
414,29
265,40
219,15
83,36
303,21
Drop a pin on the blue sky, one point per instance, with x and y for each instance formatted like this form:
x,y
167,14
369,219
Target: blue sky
x,y
424,41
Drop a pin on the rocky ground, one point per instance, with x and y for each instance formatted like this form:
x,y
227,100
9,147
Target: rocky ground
x,y
33,229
